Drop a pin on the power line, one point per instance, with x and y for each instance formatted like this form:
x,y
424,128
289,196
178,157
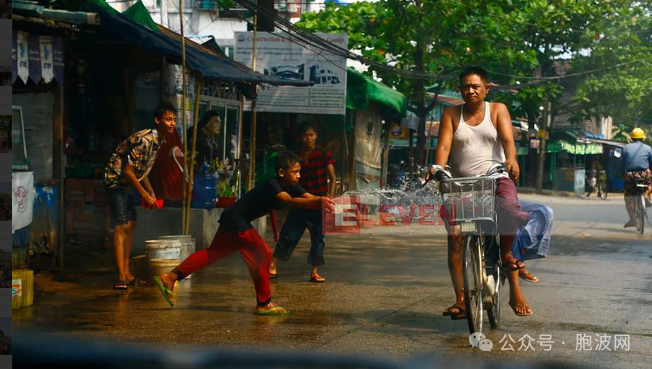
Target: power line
x,y
305,38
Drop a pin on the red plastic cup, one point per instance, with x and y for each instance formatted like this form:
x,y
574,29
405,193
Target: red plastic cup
x,y
159,204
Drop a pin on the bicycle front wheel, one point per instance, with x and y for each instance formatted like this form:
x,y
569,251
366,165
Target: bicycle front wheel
x,y
473,283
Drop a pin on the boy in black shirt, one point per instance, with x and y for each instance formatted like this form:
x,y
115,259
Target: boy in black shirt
x,y
237,234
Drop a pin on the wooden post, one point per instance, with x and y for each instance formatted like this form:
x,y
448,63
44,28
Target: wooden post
x,y
184,126
240,145
252,147
385,161
542,144
254,117
191,159
58,167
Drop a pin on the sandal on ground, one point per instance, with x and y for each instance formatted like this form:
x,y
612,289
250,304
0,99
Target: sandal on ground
x,y
276,310
317,279
273,275
164,291
525,275
513,266
461,314
121,285
449,311
132,282
526,307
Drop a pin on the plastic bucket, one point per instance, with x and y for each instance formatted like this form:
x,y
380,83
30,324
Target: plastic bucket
x,y
187,245
163,249
160,266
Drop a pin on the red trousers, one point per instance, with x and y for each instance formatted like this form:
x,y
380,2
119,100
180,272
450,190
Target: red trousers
x,y
254,251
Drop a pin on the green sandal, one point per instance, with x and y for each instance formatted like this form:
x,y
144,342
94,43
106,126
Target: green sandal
x,y
277,310
164,290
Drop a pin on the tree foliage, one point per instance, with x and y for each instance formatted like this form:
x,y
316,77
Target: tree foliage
x,y
623,92
518,41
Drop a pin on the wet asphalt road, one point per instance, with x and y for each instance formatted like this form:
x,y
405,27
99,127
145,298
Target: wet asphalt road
x,y
385,292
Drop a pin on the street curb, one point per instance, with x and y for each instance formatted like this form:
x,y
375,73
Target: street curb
x,y
530,190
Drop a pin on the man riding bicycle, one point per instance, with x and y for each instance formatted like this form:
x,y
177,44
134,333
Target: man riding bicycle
x,y
637,161
472,138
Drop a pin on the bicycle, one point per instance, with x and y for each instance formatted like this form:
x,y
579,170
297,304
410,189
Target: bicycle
x,y
640,211
470,202
597,181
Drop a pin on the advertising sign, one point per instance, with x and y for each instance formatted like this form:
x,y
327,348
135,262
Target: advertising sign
x,y
281,56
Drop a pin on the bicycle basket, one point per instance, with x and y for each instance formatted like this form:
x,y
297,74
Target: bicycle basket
x,y
468,199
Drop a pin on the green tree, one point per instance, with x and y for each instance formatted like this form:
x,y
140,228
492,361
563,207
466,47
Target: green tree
x,y
621,55
426,37
518,41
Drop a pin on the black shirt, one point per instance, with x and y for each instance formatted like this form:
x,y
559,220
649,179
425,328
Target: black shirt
x,y
256,203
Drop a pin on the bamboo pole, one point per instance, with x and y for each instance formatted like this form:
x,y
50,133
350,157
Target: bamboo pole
x,y
183,116
191,159
254,117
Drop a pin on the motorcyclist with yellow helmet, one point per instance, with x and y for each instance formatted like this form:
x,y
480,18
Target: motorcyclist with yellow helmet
x,y
636,164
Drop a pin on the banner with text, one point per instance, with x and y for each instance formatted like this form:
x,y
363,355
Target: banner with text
x,y
22,196
287,58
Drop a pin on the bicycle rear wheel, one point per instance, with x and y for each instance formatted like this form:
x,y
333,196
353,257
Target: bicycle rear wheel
x,y
473,283
602,190
493,311
639,213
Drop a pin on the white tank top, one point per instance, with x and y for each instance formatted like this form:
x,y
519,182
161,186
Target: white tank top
x,y
475,148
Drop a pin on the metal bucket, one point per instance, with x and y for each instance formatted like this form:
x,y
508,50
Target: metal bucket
x,y
163,249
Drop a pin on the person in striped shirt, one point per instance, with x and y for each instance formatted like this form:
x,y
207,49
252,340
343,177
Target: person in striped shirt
x,y
316,171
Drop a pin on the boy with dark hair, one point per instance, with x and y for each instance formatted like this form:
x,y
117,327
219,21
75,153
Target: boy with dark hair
x,y
316,169
127,171
237,234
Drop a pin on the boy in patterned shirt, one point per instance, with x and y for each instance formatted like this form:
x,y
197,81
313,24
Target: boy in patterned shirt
x,y
127,172
316,169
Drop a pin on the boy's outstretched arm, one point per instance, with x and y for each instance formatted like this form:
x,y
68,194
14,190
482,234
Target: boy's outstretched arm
x,y
306,201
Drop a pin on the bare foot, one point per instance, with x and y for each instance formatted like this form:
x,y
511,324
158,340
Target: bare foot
x,y
168,280
525,275
454,309
317,278
520,309
517,302
272,267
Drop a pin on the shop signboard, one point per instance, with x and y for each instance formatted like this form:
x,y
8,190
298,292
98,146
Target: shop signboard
x,y
284,57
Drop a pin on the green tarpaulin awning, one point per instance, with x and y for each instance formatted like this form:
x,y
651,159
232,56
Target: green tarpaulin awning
x,y
361,90
139,14
578,148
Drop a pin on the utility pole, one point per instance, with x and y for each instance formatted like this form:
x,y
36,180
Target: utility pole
x,y
164,13
547,119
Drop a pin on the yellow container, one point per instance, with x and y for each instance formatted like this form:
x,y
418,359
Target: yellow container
x,y
22,288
